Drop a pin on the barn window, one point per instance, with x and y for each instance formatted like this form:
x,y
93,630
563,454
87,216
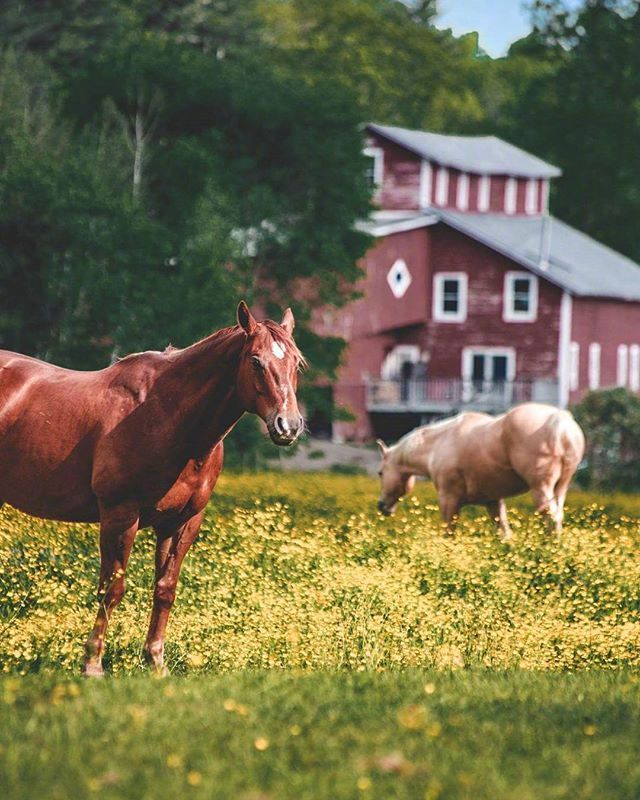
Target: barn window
x,y
520,297
442,186
531,197
510,196
450,296
462,195
594,366
574,366
426,180
622,365
484,193
375,166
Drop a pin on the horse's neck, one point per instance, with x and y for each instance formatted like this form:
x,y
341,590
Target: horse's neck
x,y
412,452
201,380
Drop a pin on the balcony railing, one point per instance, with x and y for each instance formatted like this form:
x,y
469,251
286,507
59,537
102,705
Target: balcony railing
x,y
447,394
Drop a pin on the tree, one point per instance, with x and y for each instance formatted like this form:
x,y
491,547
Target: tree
x,y
582,114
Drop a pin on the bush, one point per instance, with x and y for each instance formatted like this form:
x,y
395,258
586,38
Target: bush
x,y
610,420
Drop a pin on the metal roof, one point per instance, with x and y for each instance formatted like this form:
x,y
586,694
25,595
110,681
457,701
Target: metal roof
x,y
485,155
555,251
384,223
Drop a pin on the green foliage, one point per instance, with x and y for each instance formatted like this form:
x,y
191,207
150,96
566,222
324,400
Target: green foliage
x,y
610,420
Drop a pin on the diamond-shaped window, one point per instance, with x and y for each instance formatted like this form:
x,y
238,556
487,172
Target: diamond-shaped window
x,y
399,278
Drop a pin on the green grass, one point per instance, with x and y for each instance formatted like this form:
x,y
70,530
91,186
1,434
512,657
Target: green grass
x,y
322,736
403,663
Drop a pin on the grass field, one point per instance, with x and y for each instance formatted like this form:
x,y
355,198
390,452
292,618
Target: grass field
x,y
321,651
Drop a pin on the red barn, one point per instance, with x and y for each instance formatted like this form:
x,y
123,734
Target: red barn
x,y
473,295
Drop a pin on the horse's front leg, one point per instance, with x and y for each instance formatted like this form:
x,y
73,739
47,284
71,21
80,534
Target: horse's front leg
x,y
498,513
171,548
118,528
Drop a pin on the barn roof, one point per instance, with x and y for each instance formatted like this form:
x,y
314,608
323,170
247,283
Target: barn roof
x,y
553,250
485,155
548,247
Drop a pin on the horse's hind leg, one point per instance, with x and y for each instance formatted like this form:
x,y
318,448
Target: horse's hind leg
x,y
546,504
498,513
118,528
171,548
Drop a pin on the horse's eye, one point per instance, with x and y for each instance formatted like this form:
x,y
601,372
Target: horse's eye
x,y
256,363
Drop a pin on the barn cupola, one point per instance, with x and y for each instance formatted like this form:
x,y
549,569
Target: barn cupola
x,y
414,170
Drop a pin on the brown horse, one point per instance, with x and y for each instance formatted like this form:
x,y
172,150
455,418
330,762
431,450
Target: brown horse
x,y
140,444
475,458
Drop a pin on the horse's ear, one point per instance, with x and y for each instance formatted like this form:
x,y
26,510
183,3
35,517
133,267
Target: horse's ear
x,y
288,321
246,319
383,447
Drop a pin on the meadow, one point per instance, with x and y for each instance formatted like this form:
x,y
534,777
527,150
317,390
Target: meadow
x,y
320,650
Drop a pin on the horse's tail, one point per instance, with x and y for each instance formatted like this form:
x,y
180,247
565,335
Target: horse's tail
x,y
567,443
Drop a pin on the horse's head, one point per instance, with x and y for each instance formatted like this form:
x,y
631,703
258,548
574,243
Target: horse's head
x,y
395,481
268,374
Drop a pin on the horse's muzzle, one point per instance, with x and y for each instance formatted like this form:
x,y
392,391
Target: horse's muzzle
x,y
284,431
383,509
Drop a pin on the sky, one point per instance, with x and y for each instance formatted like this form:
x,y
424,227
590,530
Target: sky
x,y
499,22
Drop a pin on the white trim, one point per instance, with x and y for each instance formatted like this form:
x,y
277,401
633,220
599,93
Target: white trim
x,y
469,352
634,368
510,196
564,350
574,367
377,154
622,365
426,184
385,227
531,197
439,314
509,313
484,193
545,197
594,366
442,186
462,194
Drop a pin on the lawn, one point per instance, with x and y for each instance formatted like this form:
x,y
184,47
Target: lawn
x,y
319,650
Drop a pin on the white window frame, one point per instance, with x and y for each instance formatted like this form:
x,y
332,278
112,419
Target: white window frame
x,y
484,193
442,186
377,154
634,368
594,365
439,314
511,196
469,352
509,314
622,365
426,184
462,194
531,197
574,366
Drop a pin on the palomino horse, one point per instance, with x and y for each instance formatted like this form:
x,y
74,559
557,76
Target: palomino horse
x,y
476,458
139,444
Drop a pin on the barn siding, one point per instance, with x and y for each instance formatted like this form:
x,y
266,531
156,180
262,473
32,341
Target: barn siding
x,y
536,343
609,323
401,180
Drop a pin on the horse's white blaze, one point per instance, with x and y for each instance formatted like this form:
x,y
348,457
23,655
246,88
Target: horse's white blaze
x,y
277,349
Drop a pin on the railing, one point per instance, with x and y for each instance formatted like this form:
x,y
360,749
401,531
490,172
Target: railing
x,y
446,394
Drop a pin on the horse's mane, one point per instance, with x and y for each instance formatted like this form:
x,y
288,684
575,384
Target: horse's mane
x,y
413,440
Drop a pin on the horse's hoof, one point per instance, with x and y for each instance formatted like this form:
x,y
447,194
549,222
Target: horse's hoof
x,y
92,671
160,672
